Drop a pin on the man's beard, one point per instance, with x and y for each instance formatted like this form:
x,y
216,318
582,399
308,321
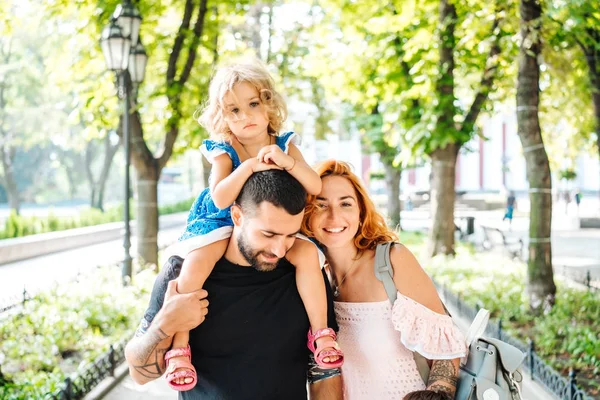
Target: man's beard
x,y
252,257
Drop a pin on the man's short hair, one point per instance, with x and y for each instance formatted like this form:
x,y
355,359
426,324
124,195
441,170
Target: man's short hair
x,y
274,186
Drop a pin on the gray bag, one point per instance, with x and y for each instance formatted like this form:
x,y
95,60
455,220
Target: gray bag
x,y
489,370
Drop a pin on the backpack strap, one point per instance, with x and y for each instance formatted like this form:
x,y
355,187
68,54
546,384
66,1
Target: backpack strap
x,y
385,273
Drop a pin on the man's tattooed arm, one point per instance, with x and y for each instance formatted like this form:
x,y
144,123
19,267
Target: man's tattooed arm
x,y
145,353
443,376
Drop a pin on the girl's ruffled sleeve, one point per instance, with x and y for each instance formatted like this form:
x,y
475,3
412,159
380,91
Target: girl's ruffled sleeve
x,y
211,149
433,335
288,138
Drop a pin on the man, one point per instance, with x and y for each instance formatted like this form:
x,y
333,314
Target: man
x,y
252,344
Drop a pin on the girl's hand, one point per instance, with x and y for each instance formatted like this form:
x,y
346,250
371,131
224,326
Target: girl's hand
x,y
273,154
257,166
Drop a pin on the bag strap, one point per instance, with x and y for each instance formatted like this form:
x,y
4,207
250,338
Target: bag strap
x,y
385,273
478,326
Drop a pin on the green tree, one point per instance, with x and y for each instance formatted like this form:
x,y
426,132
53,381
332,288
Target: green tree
x,y
376,140
574,37
23,101
454,126
400,58
97,181
540,281
181,51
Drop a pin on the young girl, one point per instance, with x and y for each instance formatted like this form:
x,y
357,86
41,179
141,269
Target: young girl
x,y
244,115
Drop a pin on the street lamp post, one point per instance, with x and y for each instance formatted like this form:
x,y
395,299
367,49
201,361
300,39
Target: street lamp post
x,y
125,55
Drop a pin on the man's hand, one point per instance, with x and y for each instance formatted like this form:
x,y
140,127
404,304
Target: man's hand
x,y
181,312
145,353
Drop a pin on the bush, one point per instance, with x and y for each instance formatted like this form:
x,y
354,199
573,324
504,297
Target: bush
x,y
62,330
18,226
181,206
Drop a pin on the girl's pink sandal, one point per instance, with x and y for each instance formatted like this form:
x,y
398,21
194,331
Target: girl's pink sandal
x,y
189,372
320,354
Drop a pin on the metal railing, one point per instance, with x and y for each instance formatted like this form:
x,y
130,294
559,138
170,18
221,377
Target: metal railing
x,y
10,302
538,369
87,378
584,278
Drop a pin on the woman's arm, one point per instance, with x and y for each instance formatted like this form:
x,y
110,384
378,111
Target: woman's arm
x,y
413,282
443,376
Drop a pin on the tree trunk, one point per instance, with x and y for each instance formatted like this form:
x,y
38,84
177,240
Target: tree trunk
x,y
255,38
70,180
93,198
98,186
146,181
7,154
89,159
593,61
109,154
147,216
206,167
441,235
270,40
147,166
392,182
540,280
443,160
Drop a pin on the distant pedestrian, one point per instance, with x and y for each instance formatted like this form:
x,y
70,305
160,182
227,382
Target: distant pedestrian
x,y
409,203
577,199
511,202
567,198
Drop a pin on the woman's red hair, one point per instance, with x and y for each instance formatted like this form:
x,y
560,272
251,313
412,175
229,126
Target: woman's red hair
x,y
372,229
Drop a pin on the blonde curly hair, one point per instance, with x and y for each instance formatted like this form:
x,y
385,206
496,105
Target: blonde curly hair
x,y
225,78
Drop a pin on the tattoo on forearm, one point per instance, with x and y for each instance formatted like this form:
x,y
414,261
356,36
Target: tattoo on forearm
x,y
443,376
442,389
151,357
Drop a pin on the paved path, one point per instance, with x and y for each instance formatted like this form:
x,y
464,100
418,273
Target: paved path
x,y
127,389
572,247
43,272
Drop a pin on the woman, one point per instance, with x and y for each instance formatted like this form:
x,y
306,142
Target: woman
x,y
379,339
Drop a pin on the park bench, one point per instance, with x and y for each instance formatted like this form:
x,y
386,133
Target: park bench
x,y
494,237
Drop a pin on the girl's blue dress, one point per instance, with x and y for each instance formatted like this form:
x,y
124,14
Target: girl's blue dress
x,y
207,223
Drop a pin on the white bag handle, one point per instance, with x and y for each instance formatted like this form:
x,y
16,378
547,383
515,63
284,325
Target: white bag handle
x,y
478,326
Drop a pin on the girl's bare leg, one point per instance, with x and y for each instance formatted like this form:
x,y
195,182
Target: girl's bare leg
x,y
197,266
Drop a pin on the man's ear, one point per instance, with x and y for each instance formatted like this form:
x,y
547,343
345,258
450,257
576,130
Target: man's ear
x,y
236,215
